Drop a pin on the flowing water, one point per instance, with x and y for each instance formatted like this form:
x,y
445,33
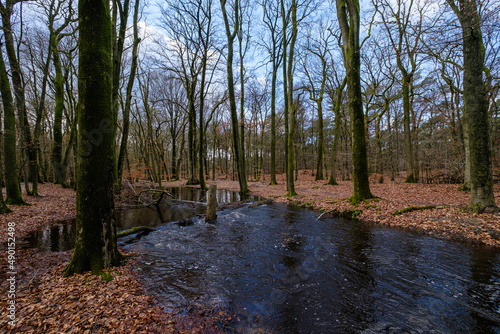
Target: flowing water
x,y
186,203
283,271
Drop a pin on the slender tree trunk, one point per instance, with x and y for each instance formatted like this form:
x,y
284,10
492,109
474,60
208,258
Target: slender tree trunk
x,y
273,125
232,97
58,114
118,42
242,106
410,176
181,151
3,206
128,100
336,133
291,107
95,243
19,93
192,179
321,140
285,89
65,162
201,175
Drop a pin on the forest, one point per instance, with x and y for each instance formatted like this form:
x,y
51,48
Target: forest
x,y
368,110
189,76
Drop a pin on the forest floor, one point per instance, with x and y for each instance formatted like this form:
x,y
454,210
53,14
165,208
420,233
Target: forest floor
x,y
48,303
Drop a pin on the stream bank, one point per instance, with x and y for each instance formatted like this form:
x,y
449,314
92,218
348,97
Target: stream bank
x,y
448,220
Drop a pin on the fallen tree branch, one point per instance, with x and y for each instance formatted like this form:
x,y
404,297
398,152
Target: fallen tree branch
x,y
134,230
158,191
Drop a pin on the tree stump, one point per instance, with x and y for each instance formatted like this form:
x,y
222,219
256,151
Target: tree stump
x,y
212,204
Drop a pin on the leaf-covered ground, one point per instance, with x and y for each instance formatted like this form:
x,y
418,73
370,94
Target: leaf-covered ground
x,y
48,303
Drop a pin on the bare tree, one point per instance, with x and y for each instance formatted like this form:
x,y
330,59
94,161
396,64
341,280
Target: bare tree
x,y
475,105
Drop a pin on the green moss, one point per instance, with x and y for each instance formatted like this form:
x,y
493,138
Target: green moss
x,y
351,213
106,276
413,208
4,208
464,188
411,179
135,230
20,201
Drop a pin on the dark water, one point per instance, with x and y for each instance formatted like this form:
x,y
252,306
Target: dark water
x,y
282,271
194,194
61,235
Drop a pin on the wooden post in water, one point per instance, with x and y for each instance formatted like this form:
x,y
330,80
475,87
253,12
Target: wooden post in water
x,y
212,203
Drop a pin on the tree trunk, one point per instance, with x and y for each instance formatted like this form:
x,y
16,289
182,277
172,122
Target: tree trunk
x,y
273,125
3,206
11,179
232,97
58,114
475,106
192,179
321,140
118,42
95,243
336,133
348,16
128,100
291,107
19,93
285,89
201,175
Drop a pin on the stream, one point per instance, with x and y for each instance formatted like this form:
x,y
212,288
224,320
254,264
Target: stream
x,y
283,271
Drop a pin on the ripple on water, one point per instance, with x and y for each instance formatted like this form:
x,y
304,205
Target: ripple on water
x,y
280,268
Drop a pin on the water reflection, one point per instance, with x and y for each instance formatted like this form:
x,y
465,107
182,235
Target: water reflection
x,y
59,236
197,195
187,203
282,271
484,282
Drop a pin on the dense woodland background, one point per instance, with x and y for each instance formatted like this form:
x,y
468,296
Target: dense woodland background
x,y
171,99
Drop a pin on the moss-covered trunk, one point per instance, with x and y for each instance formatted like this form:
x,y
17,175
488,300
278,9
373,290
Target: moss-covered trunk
x,y
11,179
3,206
8,108
475,106
95,244
348,15
19,92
